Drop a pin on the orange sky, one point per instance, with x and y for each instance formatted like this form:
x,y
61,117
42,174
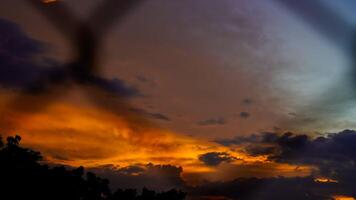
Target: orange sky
x,y
172,82
340,197
77,133
198,63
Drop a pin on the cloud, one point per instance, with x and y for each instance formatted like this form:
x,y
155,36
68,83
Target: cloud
x,y
244,115
271,188
333,155
212,122
168,176
25,65
215,158
238,140
159,177
30,81
78,135
115,86
247,101
152,115
257,150
17,56
144,80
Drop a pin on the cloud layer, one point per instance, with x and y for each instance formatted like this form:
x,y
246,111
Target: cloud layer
x,y
332,157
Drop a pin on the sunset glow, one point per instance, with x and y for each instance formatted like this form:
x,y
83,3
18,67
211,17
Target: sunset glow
x,y
325,180
103,139
49,1
228,99
343,198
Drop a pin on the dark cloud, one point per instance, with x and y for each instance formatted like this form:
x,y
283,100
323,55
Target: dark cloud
x,y
257,150
212,122
17,56
115,86
24,65
244,115
160,177
333,155
292,114
152,115
132,170
247,101
270,189
261,138
145,80
253,138
163,177
215,158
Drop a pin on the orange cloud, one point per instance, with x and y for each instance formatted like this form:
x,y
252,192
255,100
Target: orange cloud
x,y
343,198
325,180
49,1
78,134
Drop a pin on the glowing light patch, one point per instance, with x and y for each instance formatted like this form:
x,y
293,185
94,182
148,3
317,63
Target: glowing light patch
x,y
343,198
49,1
325,180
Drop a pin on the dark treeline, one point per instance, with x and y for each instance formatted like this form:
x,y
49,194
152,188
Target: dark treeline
x,y
22,176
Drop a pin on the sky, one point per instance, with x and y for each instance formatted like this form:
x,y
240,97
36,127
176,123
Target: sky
x,y
196,91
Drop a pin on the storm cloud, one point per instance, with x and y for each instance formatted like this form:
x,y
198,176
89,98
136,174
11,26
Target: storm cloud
x,y
25,65
17,56
212,122
333,155
215,158
270,189
152,115
161,177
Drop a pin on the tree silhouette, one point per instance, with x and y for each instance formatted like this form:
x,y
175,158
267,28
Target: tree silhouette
x,y
22,176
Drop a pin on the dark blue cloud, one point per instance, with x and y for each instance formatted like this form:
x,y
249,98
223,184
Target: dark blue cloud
x,y
333,155
115,86
17,56
152,115
270,189
253,138
160,177
247,101
215,158
212,122
244,115
144,80
24,65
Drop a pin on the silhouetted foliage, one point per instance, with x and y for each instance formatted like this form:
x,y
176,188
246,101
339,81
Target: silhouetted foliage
x,y
22,176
